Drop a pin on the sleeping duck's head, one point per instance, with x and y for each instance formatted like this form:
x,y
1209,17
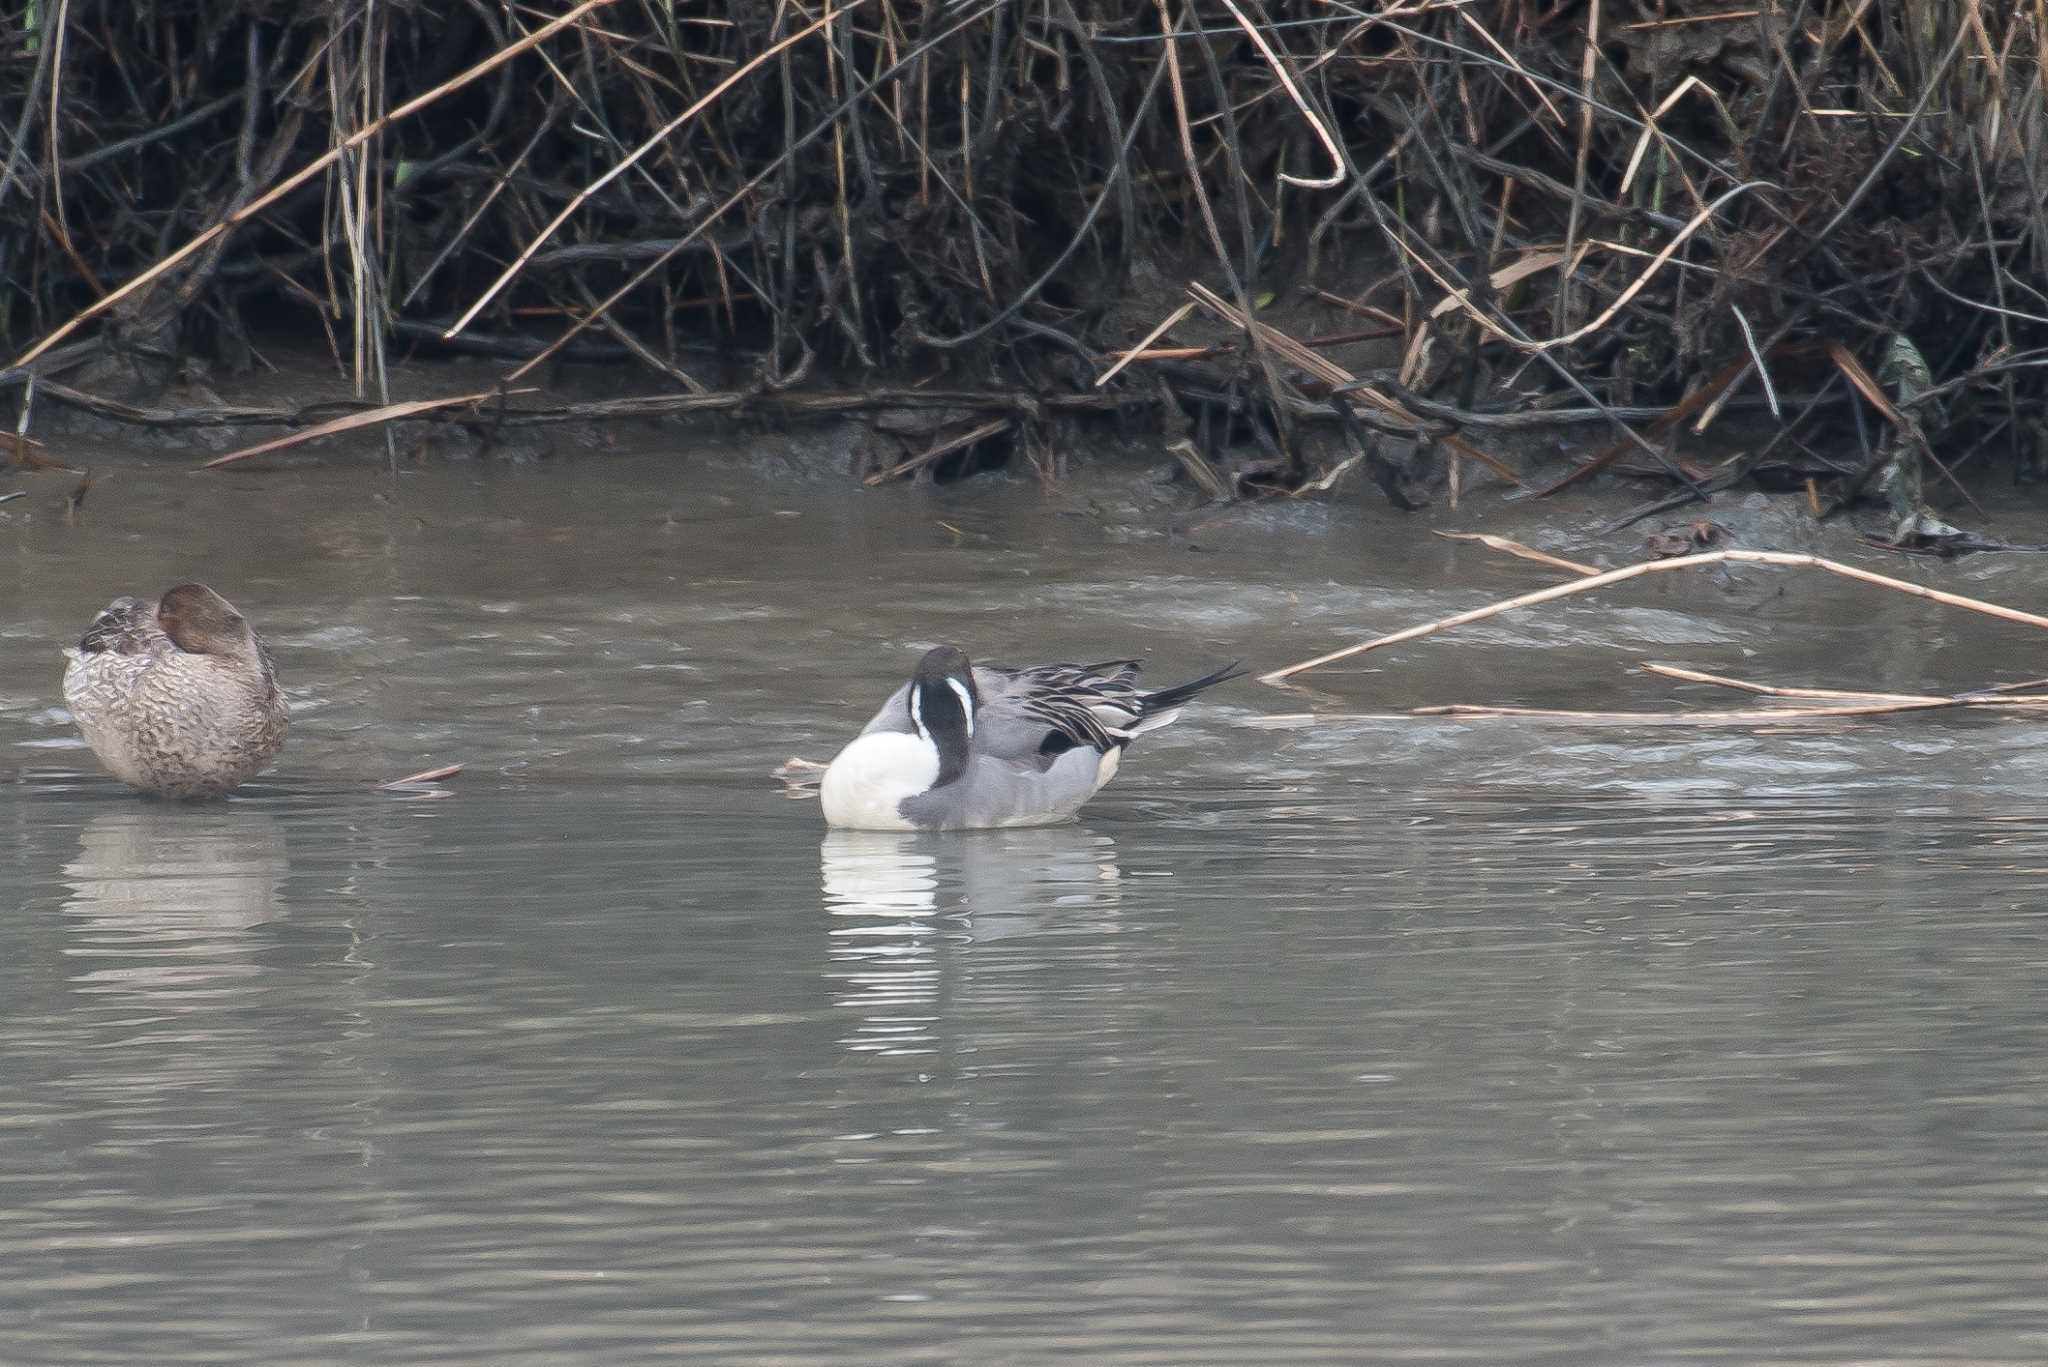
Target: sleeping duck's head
x,y
201,622
943,702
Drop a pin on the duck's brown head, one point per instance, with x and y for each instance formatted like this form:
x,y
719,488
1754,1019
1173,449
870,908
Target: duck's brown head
x,y
201,622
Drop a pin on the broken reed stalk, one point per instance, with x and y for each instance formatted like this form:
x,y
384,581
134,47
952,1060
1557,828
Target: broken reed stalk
x,y
1736,716
1878,705
1785,559
1783,691
349,422
424,776
938,452
2000,695
1516,548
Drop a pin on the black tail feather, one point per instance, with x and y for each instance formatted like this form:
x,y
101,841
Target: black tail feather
x,y
1173,697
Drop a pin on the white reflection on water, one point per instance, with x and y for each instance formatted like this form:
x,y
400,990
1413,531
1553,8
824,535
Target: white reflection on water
x,y
901,900
162,895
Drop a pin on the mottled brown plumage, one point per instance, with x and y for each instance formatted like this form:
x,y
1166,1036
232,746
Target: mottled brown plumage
x,y
177,697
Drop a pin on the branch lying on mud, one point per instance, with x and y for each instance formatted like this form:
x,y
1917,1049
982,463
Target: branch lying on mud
x,y
736,402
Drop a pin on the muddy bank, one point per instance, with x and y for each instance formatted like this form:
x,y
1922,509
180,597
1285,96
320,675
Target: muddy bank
x,y
88,461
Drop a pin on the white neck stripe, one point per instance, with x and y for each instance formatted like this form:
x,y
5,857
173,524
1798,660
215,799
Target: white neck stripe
x,y
966,703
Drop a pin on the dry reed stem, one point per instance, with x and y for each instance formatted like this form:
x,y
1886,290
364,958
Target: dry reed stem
x,y
1337,162
1740,716
1657,264
1507,276
1165,326
1998,695
349,422
938,451
1575,212
1302,358
1784,559
423,776
1205,475
1784,691
1516,548
1167,27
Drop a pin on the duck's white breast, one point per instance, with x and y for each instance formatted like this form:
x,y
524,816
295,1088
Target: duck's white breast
x,y
863,789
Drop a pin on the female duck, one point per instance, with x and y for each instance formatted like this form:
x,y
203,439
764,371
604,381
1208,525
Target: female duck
x,y
962,746
176,697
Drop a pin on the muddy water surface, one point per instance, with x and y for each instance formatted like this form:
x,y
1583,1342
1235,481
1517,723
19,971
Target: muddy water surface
x,y
1324,1036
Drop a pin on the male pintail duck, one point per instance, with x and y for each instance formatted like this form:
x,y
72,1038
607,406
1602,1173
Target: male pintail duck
x,y
962,746
176,697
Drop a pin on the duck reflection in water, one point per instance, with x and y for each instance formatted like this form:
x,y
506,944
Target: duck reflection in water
x,y
161,898
906,908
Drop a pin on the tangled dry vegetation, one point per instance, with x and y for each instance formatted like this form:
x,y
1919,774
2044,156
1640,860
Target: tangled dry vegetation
x,y
1288,240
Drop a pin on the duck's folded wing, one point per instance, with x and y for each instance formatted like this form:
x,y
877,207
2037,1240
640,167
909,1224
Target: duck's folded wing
x,y
124,627
995,792
1050,708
